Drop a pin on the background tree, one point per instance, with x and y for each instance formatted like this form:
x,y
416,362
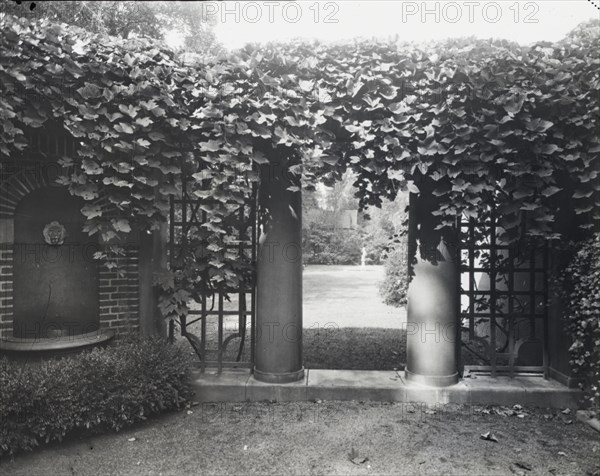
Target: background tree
x,y
125,19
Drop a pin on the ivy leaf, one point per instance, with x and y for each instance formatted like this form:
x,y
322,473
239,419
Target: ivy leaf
x,y
90,91
529,206
210,146
329,160
306,86
594,149
356,87
538,125
91,211
116,182
123,128
459,185
148,105
259,157
113,117
130,110
108,235
523,193
549,149
121,225
17,75
549,191
582,194
515,103
157,136
412,188
144,121
91,167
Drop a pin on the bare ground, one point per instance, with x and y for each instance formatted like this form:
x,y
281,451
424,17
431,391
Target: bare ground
x,y
330,438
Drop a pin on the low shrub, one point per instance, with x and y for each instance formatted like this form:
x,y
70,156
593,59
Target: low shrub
x,y
394,288
97,390
580,283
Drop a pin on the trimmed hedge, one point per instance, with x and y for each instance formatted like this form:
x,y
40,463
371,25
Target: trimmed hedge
x,y
97,390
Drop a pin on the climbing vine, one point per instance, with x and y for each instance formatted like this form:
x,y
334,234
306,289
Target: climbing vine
x,y
580,289
489,123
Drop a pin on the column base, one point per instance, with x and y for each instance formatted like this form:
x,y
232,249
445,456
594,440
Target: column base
x,y
287,377
432,380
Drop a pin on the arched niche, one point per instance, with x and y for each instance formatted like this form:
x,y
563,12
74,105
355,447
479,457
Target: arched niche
x,y
55,278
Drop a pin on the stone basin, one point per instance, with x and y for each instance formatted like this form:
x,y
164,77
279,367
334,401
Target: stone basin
x,y
16,347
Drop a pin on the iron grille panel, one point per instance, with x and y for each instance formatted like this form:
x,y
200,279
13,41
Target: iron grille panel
x,y
503,301
220,323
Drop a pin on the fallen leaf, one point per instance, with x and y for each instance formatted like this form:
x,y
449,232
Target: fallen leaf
x,y
359,460
489,436
523,465
566,411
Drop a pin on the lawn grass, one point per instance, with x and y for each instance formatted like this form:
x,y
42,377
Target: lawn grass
x,y
337,301
366,348
351,348
345,348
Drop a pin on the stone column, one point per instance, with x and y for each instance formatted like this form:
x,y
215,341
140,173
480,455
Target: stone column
x,y
278,350
433,325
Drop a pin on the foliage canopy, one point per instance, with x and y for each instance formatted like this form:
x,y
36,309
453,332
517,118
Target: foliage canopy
x,y
479,124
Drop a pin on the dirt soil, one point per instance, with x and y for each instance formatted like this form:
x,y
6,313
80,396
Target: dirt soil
x,y
330,438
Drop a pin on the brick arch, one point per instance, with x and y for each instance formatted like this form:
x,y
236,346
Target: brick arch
x,y
14,189
21,184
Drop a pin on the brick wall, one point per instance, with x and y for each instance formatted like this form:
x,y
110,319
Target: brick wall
x,y
119,294
6,290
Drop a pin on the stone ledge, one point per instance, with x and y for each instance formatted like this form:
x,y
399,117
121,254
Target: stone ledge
x,y
384,386
228,386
